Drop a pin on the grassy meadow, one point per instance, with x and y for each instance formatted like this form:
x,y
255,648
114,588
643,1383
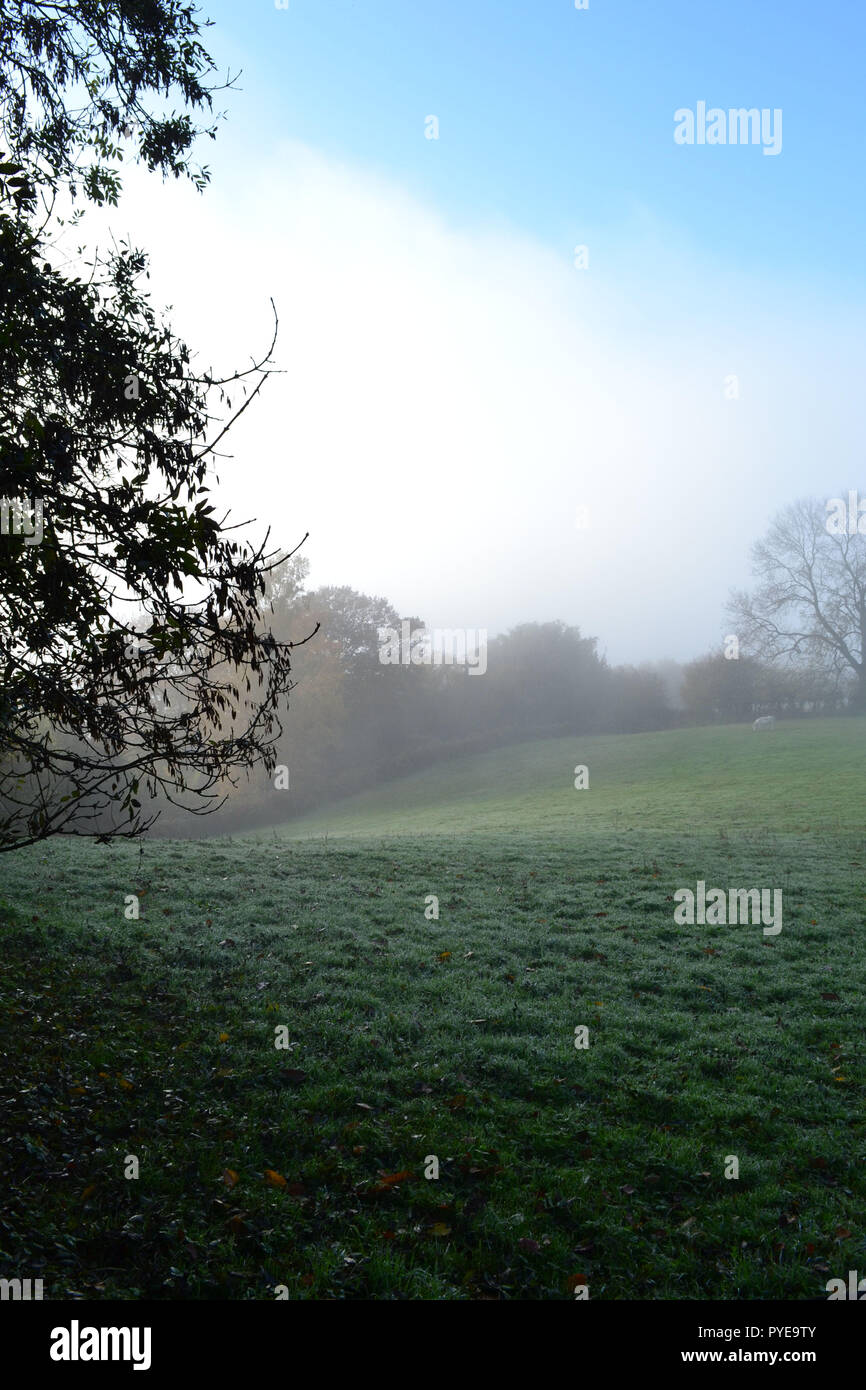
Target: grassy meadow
x,y
409,1038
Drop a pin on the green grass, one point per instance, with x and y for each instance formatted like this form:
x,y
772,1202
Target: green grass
x,y
453,1038
806,775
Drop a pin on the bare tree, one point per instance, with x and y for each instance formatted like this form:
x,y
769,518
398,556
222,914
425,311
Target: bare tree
x,y
809,608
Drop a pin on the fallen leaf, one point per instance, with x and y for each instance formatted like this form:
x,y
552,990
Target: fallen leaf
x,y
389,1180
439,1229
223,1037
230,1177
274,1179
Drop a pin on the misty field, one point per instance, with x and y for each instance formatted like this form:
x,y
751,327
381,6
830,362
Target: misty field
x,y
455,1038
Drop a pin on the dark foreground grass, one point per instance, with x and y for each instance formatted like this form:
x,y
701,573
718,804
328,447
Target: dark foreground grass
x,y
409,1038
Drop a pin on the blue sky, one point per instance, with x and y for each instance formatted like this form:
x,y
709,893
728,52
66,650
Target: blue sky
x,y
552,117
456,389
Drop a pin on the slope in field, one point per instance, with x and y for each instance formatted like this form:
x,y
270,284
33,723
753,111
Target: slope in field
x,y
805,774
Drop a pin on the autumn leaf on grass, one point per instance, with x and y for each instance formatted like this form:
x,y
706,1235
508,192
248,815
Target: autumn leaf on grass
x,y
439,1229
575,1281
389,1180
444,955
223,1037
457,1102
230,1177
274,1179
842,1233
127,1085
88,1192
532,1247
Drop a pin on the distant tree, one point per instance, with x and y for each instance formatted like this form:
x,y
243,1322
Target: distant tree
x,y
809,607
717,690
637,701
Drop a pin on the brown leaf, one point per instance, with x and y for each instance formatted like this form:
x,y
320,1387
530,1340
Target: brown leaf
x,y
457,1102
439,1229
274,1179
230,1177
389,1180
531,1246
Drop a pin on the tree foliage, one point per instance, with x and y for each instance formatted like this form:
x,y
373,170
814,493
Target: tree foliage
x,y
77,84
135,662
